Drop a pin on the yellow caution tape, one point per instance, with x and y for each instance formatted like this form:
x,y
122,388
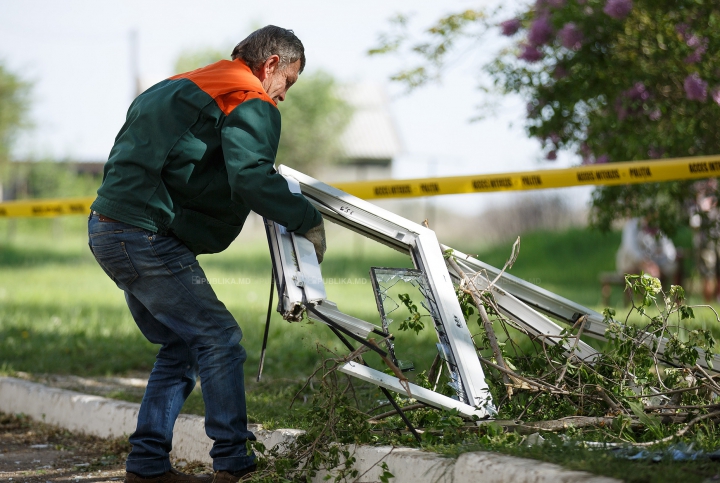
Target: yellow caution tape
x,y
606,174
598,174
46,208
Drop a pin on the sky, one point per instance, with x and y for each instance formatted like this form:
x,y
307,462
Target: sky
x,y
77,53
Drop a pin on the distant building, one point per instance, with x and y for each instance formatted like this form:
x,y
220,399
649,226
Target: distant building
x,y
371,140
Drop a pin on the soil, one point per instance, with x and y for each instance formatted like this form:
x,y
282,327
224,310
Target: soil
x,y
34,452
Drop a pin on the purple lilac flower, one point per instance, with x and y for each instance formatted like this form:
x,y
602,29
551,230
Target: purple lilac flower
x,y
585,151
530,53
602,159
655,114
700,47
555,3
693,41
695,88
682,28
621,110
655,153
560,72
627,103
637,92
570,36
618,9
510,27
541,30
693,58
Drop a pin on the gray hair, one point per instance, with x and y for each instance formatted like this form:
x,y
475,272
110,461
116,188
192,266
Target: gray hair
x,y
269,41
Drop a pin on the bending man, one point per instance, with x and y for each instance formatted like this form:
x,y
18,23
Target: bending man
x,y
194,157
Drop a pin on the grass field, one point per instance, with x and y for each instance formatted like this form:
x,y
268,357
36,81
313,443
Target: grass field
x,y
60,314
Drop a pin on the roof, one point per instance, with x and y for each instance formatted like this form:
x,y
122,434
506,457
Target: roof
x,y
371,136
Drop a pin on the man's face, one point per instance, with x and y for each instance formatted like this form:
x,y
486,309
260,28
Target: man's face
x,y
277,81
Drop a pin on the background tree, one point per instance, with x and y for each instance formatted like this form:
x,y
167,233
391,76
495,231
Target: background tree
x,y
610,80
14,107
193,59
313,115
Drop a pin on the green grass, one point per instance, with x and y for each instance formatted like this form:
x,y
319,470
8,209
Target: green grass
x,y
566,263
60,314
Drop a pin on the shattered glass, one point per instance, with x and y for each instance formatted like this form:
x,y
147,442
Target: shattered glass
x,y
387,282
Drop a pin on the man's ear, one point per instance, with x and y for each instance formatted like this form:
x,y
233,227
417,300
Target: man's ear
x,y
268,68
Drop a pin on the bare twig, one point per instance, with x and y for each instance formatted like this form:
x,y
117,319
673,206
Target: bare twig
x,y
539,385
435,371
511,261
404,382
411,407
666,393
580,321
671,406
489,331
608,400
708,378
681,432
528,405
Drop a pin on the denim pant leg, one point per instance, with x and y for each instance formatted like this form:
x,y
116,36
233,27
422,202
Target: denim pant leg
x,y
162,275
171,382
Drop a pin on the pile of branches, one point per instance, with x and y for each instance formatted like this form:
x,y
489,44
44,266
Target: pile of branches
x,y
628,391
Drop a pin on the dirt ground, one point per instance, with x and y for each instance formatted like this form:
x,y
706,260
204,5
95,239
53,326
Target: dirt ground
x,y
34,452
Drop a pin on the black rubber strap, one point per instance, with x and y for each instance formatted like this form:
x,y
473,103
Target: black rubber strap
x,y
342,329
267,326
384,391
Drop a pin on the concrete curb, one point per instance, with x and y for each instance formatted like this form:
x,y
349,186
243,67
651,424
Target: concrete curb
x,y
104,417
108,418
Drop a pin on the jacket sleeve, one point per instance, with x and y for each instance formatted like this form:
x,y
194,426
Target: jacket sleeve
x,y
250,136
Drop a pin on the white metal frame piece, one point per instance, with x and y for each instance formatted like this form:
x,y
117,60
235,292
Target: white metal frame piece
x,y
515,294
299,283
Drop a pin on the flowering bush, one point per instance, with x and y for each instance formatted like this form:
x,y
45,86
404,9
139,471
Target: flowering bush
x,y
611,80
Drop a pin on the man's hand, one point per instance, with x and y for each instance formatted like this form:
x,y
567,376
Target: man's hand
x,y
316,235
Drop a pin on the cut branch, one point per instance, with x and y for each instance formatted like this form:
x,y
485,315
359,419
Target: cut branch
x,y
487,325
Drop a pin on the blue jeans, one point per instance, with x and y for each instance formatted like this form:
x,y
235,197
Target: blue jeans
x,y
173,307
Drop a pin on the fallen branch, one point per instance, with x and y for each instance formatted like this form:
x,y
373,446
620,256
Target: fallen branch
x,y
412,407
681,432
489,331
564,423
404,382
666,393
613,405
580,321
539,385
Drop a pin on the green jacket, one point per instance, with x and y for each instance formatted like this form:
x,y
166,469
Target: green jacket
x,y
196,155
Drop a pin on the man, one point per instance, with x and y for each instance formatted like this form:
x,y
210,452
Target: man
x,y
705,222
646,250
194,157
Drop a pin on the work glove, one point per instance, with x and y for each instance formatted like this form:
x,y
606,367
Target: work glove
x,y
316,235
